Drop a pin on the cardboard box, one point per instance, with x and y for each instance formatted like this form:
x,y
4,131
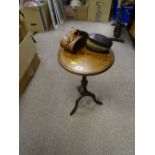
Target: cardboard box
x,y
69,11
33,18
22,27
28,62
79,13
99,10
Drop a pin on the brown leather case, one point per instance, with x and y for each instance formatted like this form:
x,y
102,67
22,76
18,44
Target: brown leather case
x,y
73,41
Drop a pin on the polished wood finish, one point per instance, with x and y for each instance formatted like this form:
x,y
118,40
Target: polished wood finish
x,y
85,62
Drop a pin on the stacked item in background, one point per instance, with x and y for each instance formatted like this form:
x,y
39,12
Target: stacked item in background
x,y
36,14
76,9
92,10
57,12
99,10
28,57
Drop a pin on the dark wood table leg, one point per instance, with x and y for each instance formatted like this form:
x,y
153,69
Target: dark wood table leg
x,y
94,98
84,92
76,105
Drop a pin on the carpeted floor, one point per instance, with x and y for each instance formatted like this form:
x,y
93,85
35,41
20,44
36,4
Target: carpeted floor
x,y
46,127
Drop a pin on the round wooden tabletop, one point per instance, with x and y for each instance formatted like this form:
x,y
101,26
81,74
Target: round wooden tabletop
x,y
85,62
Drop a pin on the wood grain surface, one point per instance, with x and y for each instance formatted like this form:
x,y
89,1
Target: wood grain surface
x,y
85,62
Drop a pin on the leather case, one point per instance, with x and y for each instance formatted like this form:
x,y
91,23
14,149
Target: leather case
x,y
98,43
74,40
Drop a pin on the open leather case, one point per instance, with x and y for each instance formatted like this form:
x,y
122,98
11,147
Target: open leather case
x,y
76,39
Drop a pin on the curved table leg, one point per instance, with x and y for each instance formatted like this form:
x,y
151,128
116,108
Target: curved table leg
x,y
94,98
82,89
76,105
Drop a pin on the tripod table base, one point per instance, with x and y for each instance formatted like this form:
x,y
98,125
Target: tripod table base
x,y
84,92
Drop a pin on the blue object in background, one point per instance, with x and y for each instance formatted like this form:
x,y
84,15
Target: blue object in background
x,y
126,15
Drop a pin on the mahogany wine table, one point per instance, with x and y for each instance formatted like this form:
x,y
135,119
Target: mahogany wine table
x,y
85,63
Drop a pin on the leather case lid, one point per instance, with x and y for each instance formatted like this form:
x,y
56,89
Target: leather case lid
x,y
100,39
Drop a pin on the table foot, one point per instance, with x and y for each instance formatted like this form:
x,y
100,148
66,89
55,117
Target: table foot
x,y
84,92
94,98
